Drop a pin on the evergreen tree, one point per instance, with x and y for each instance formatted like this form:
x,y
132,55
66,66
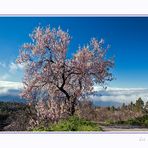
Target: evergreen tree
x,y
146,107
139,105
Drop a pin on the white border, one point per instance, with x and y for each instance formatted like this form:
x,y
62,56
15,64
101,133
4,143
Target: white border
x,y
73,141
73,8
76,7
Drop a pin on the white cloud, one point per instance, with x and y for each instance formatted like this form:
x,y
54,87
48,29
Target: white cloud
x,y
13,67
5,86
4,77
11,71
120,95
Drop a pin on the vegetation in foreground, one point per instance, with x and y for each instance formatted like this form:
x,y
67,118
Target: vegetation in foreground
x,y
139,121
18,117
73,123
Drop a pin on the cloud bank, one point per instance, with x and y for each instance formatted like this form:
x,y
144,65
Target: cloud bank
x,y
6,87
120,95
9,92
110,96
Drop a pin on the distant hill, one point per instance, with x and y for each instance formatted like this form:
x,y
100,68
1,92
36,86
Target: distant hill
x,y
12,95
10,98
106,103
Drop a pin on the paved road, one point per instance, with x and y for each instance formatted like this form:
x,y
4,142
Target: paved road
x,y
123,128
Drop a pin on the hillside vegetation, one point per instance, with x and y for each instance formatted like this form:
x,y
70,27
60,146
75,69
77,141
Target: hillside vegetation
x,y
19,117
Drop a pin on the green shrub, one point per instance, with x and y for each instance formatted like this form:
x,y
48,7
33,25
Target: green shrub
x,y
146,123
109,122
133,122
41,128
89,128
139,121
73,123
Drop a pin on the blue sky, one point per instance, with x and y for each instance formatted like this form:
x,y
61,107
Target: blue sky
x,y
127,36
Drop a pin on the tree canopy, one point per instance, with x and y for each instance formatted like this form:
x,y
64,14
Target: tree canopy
x,y
50,75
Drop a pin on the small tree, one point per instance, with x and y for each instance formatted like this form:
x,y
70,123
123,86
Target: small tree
x,y
131,106
146,107
139,105
123,107
50,75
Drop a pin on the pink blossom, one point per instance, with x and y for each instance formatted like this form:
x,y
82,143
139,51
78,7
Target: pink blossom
x,y
59,80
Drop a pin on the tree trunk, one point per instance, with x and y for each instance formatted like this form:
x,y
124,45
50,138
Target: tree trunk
x,y
72,105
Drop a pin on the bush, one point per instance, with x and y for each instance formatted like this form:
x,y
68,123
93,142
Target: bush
x,y
140,121
146,123
73,123
109,122
133,122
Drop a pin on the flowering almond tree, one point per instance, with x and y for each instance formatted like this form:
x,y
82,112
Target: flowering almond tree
x,y
50,75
